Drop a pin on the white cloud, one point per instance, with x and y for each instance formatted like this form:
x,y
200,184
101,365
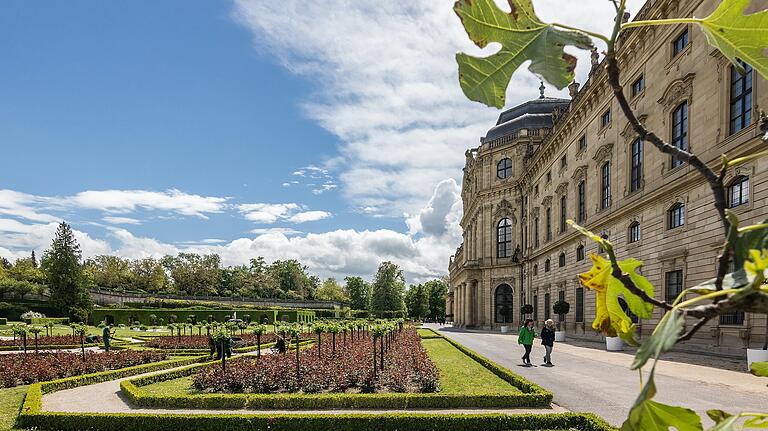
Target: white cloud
x,y
121,220
283,230
271,213
23,205
306,216
122,201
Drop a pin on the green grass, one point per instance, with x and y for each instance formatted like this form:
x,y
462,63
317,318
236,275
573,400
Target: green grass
x,y
92,330
10,402
461,374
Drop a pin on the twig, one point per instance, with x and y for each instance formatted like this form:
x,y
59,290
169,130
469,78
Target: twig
x,y
687,336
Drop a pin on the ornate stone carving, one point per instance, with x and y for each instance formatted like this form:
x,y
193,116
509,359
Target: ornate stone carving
x,y
603,153
579,173
547,201
561,189
677,91
504,209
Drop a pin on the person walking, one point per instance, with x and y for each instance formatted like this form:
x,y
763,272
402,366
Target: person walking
x,y
525,337
548,340
106,336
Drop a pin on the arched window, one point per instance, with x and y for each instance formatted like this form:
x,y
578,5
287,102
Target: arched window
x,y
561,260
504,301
546,265
535,269
738,191
580,255
676,216
504,168
634,232
680,131
504,238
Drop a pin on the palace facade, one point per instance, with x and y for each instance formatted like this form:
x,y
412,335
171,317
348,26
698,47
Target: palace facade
x,y
551,159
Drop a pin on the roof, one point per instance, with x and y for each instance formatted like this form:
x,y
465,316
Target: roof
x,y
534,114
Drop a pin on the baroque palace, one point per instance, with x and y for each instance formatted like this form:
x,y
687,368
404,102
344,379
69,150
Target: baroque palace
x,y
552,159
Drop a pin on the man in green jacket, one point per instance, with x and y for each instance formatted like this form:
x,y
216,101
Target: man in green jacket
x,y
106,335
525,337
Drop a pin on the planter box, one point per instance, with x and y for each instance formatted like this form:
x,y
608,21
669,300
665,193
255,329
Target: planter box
x,y
614,344
560,336
756,355
504,329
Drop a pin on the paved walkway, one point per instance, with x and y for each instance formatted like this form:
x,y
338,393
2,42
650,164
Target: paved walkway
x,y
590,380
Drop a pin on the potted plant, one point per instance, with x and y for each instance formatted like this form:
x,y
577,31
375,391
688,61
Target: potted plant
x,y
758,355
561,308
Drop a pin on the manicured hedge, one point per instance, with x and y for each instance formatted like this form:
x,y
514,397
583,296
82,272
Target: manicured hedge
x,y
129,315
44,320
3,321
31,346
32,417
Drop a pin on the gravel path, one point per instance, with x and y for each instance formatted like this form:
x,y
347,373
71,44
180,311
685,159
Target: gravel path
x,y
591,380
31,350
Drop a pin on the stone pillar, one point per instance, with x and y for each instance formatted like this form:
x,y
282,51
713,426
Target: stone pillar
x,y
457,307
468,304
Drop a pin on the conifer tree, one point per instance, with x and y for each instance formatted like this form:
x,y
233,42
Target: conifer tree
x,y
64,274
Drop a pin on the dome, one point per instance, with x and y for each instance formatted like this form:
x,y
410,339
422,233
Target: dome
x,y
534,114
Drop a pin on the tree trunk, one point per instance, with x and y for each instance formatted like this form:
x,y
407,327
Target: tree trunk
x,y
381,352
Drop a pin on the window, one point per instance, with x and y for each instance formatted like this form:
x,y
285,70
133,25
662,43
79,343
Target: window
x,y
738,191
549,224
676,216
673,285
536,232
680,131
636,170
580,255
504,303
561,298
561,260
732,318
563,214
638,86
582,202
546,265
536,190
634,232
605,119
546,306
504,238
741,98
549,177
563,162
580,304
535,308
504,168
582,142
605,196
535,269
680,43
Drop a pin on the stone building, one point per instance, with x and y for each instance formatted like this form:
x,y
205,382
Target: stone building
x,y
551,159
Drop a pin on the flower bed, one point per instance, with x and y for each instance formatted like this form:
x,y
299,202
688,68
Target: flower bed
x,y
24,369
350,369
56,340
201,341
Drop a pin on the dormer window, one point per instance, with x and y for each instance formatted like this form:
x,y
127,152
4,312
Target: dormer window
x,y
504,169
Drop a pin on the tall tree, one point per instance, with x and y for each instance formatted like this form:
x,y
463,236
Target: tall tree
x,y
387,290
149,275
64,274
330,290
293,279
359,293
194,274
110,272
437,290
34,259
417,301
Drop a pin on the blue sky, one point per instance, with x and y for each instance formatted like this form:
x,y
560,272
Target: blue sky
x,y
329,131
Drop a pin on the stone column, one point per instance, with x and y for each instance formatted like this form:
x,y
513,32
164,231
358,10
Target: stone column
x,y
468,304
457,317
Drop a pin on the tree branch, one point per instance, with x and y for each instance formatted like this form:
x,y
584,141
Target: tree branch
x,y
695,328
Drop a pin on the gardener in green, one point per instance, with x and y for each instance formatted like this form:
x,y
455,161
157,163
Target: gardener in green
x,y
525,337
106,335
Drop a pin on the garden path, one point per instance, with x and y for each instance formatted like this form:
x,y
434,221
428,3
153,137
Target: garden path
x,y
32,350
591,380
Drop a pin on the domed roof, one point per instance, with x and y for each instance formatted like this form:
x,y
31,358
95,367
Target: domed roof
x,y
534,114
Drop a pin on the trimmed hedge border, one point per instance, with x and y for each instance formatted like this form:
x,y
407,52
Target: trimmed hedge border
x,y
532,395
31,346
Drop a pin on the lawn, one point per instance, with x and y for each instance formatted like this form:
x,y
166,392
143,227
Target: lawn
x,y
459,374
92,330
10,402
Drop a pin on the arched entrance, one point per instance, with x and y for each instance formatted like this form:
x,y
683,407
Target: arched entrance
x,y
503,303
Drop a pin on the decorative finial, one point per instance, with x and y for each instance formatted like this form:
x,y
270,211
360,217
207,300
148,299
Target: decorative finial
x,y
541,90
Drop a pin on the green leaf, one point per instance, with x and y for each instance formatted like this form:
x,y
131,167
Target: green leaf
x,y
759,369
756,422
523,36
750,240
642,309
718,415
662,339
649,415
739,36
732,280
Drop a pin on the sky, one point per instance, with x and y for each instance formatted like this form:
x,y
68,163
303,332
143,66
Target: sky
x,y
331,131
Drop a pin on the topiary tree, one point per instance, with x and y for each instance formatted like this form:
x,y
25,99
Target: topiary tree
x,y
258,331
738,36
561,308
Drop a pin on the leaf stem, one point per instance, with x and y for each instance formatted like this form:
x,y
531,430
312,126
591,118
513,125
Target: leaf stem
x,y
740,160
669,21
753,227
581,30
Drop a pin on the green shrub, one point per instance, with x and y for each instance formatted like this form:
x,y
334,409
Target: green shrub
x,y
54,320
3,321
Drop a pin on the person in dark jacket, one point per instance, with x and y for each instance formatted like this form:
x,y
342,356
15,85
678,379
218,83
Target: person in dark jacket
x,y
525,337
548,340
